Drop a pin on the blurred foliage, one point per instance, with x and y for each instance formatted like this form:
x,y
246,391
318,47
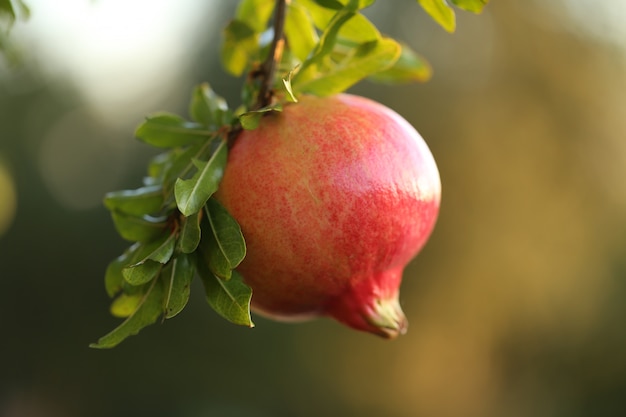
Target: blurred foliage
x,y
10,11
516,305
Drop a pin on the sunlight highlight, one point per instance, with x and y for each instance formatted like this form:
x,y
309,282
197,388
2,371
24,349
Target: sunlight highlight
x,y
114,51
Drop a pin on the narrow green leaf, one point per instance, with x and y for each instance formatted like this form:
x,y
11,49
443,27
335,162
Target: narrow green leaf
x,y
113,276
189,233
311,67
137,228
250,120
299,31
148,311
177,279
319,14
125,305
410,67
474,6
144,200
158,250
161,250
157,167
440,12
141,273
349,31
239,47
288,88
230,299
192,194
331,33
169,130
208,108
181,164
357,29
148,259
367,59
224,247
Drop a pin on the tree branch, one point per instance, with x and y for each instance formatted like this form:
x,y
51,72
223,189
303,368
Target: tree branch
x,y
267,71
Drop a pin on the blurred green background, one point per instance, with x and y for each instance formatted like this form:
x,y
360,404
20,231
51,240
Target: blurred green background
x,y
516,306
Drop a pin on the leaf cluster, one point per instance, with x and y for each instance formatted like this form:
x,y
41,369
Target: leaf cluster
x,y
176,228
331,44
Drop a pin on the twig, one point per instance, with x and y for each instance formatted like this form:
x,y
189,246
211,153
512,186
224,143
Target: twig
x,y
267,71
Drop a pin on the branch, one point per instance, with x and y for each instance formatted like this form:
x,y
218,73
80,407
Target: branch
x,y
267,71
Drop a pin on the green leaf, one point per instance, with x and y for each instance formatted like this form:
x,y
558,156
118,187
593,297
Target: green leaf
x,y
189,233
408,68
320,15
208,108
148,311
224,247
177,279
474,6
440,12
181,163
169,130
230,299
239,47
250,120
125,305
255,13
148,259
137,228
113,276
141,273
288,88
311,67
339,58
357,29
144,200
331,33
367,59
157,167
192,194
299,31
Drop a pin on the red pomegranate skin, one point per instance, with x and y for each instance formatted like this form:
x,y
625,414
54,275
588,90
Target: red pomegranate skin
x,y
334,197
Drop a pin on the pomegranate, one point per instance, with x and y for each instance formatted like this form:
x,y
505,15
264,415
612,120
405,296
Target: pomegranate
x,y
334,197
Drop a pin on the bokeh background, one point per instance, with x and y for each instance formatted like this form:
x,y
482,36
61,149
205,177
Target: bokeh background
x,y
517,305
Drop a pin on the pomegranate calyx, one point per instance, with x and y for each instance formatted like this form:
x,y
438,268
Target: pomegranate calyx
x,y
377,313
387,317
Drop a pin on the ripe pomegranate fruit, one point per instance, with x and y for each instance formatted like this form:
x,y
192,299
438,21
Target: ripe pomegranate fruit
x,y
334,197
